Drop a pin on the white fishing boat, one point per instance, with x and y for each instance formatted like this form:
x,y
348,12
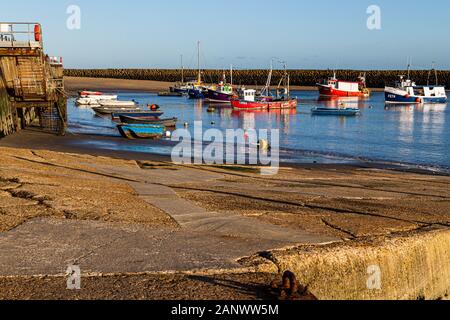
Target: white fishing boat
x,y
407,91
116,103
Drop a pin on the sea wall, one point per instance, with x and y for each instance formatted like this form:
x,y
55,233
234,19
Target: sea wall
x,y
401,268
375,79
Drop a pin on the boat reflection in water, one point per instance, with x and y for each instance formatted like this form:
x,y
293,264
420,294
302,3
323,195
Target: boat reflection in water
x,y
266,119
333,102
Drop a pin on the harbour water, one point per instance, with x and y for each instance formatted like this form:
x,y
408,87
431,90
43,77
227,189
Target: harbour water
x,y
414,136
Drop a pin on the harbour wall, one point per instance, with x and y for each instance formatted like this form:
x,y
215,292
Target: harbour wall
x,y
410,267
375,79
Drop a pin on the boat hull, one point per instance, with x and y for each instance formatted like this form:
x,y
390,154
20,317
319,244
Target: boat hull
x,y
137,114
141,131
196,94
170,123
263,105
349,112
216,96
397,97
108,111
329,91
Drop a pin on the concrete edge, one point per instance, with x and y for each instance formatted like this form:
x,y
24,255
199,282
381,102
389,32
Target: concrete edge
x,y
416,266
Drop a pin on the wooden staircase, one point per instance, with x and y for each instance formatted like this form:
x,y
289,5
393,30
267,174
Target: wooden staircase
x,y
30,85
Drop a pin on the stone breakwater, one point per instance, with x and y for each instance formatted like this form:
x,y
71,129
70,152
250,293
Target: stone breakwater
x,y
375,78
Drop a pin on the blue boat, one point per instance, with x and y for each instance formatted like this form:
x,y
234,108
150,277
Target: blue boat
x,y
141,131
137,114
406,91
197,93
343,112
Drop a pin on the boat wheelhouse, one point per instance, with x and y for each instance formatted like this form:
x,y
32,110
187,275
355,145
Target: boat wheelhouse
x,y
333,87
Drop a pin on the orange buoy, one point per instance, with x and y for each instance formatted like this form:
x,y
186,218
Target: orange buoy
x,y
37,33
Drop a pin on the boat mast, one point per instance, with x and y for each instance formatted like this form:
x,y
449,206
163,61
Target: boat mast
x,y
182,70
199,80
231,75
266,89
409,68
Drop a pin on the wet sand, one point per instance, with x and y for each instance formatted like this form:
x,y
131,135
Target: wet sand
x,y
74,85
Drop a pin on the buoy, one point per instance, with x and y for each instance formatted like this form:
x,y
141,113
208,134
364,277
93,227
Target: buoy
x,y
37,33
186,124
213,123
264,145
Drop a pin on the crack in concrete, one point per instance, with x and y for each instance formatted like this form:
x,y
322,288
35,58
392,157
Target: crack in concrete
x,y
337,228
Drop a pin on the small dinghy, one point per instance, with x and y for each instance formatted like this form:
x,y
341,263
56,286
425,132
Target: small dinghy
x,y
345,112
170,123
116,103
94,100
84,94
137,114
141,131
170,94
111,110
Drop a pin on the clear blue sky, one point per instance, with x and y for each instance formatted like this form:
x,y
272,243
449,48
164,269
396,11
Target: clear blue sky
x,y
246,33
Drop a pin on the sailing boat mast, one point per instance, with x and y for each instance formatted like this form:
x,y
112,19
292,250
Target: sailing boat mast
x,y
231,75
182,70
199,80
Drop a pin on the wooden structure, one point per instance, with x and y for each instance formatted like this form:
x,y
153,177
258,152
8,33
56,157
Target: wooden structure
x,y
31,83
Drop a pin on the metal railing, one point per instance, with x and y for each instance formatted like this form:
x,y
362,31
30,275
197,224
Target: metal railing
x,y
20,35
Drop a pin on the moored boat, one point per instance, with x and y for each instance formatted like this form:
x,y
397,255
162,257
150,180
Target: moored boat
x,y
170,94
141,131
136,114
84,94
333,87
169,123
406,91
94,100
223,92
339,111
282,99
109,110
116,103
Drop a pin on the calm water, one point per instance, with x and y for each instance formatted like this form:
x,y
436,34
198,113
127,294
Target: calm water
x,y
417,136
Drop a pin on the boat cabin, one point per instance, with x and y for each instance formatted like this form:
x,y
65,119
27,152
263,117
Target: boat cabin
x,y
249,95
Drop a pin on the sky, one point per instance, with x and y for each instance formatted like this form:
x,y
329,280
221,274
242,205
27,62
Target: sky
x,y
326,34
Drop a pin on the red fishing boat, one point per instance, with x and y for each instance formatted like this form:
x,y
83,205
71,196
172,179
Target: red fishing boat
x,y
251,104
333,87
265,101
